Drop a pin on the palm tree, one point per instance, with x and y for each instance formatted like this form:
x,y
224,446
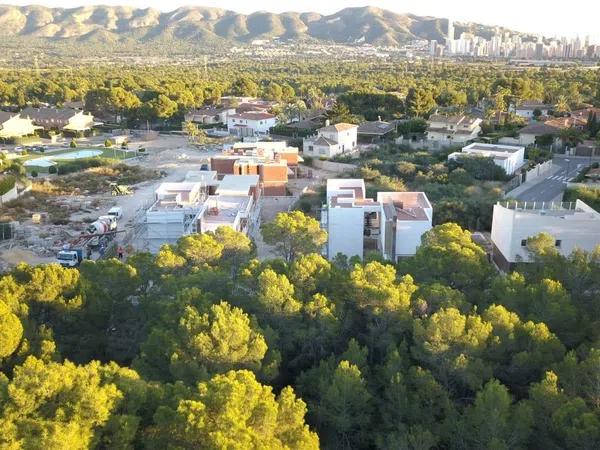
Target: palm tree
x,y
192,130
571,136
562,105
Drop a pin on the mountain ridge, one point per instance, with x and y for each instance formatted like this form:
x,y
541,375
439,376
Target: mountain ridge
x,y
209,25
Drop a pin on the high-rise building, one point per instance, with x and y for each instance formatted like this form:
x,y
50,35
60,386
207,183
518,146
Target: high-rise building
x,y
450,29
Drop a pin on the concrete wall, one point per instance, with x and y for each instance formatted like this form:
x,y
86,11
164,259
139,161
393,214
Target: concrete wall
x,y
502,227
9,196
331,166
538,171
408,236
345,228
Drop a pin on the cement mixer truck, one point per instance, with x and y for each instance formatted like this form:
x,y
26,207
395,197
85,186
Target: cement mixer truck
x,y
103,224
99,232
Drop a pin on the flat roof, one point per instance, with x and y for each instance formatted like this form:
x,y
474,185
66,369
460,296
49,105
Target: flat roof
x,y
553,209
493,148
405,205
237,184
183,186
201,176
225,208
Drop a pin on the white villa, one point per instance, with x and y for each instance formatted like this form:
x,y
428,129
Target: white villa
x,y
331,140
392,225
509,157
573,225
250,123
200,204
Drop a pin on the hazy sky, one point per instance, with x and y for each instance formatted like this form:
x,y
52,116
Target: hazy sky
x,y
550,17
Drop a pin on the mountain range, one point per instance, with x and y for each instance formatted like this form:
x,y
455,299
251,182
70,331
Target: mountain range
x,y
214,26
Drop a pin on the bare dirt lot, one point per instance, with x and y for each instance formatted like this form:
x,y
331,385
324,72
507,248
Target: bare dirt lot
x,y
71,202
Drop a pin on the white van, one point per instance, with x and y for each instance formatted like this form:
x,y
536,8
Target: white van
x,y
115,211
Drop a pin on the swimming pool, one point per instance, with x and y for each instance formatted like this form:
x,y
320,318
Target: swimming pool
x,y
79,154
47,161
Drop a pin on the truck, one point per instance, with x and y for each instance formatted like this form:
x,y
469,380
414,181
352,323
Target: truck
x,y
102,225
70,257
116,212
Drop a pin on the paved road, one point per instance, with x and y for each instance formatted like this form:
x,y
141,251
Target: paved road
x,y
552,187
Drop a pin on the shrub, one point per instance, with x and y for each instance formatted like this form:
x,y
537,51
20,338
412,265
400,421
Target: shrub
x,y
52,170
81,164
73,144
34,173
108,143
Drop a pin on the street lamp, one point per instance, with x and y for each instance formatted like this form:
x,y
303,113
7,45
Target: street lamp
x,y
568,168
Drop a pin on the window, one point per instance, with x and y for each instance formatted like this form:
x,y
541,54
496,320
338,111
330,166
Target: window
x,y
558,243
311,148
523,242
322,152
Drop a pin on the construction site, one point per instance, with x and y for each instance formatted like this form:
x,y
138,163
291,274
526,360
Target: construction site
x,y
168,193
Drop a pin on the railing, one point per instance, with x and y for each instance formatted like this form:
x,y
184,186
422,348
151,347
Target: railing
x,y
538,205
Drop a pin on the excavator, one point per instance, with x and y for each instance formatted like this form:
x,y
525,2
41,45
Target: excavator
x,y
120,189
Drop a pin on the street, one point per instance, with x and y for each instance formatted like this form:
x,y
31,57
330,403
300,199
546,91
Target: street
x,y
551,188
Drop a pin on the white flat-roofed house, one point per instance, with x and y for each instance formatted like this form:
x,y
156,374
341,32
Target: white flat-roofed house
x,y
509,157
13,125
331,140
527,108
201,205
392,225
174,212
344,217
61,119
405,217
452,130
574,225
251,123
233,205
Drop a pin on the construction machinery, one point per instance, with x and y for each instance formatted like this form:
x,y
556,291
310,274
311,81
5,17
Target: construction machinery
x,y
120,189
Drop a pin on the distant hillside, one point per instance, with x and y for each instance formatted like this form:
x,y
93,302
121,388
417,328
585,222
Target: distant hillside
x,y
213,26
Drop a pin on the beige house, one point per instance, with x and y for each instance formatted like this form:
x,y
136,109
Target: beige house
x,y
13,125
62,119
452,130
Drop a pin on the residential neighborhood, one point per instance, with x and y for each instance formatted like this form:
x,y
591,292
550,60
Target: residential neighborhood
x,y
300,226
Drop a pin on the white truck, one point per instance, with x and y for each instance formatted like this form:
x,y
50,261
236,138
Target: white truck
x,y
116,212
104,224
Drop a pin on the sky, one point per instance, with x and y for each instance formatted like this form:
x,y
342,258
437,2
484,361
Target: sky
x,y
549,17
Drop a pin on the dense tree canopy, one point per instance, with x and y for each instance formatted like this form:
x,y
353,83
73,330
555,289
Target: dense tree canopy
x,y
203,346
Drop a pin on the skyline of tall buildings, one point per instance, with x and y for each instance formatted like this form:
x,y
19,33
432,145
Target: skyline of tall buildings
x,y
508,45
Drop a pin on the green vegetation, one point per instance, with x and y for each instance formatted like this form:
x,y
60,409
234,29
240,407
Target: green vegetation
x,y
461,191
7,182
368,88
589,195
203,346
